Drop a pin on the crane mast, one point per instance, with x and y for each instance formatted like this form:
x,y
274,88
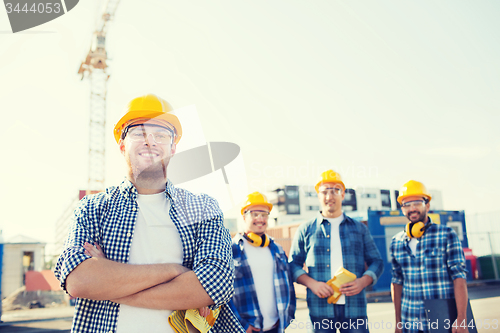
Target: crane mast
x,y
94,67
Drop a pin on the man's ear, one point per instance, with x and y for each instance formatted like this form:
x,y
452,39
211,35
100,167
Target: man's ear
x,y
121,143
173,148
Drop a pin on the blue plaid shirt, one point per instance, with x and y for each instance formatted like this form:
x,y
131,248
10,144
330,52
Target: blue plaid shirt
x,y
108,218
311,245
429,274
245,296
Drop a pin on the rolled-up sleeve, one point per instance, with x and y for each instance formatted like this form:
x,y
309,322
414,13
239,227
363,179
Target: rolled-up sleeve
x,y
456,258
213,261
397,272
73,253
372,256
298,254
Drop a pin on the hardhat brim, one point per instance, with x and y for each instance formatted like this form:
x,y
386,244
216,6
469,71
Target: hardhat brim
x,y
168,117
267,204
325,182
402,197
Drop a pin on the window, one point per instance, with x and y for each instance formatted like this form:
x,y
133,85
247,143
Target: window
x,y
293,209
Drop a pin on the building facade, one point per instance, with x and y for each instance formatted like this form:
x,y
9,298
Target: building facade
x,y
298,203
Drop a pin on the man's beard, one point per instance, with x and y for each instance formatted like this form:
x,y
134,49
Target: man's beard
x,y
420,218
153,176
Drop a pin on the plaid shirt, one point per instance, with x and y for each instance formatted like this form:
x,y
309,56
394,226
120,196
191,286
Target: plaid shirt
x,y
108,218
430,273
311,245
245,296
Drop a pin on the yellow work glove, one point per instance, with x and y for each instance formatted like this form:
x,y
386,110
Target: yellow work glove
x,y
339,278
190,321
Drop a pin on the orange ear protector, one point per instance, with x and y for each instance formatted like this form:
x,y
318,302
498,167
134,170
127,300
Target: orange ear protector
x,y
256,240
416,229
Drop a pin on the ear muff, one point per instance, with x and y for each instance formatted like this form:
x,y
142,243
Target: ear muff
x,y
416,229
256,240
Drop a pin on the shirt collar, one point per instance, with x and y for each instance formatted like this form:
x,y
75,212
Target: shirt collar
x,y
238,239
170,189
127,187
429,223
320,218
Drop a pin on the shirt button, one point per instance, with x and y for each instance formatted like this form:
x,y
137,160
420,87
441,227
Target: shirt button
x,y
327,236
327,250
129,234
327,265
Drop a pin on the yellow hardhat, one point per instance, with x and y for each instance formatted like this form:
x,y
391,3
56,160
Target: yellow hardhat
x,y
149,107
329,176
413,188
254,199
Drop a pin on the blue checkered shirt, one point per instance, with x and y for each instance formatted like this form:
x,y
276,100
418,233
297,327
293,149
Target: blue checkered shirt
x,y
429,274
311,246
245,296
108,218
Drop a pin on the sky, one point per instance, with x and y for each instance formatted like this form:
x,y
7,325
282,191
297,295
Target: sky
x,y
381,92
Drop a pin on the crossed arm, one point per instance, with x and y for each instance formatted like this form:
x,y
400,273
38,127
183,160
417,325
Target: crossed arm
x,y
156,286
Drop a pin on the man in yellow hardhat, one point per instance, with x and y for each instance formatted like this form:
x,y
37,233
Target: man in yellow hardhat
x,y
330,243
427,263
163,248
264,296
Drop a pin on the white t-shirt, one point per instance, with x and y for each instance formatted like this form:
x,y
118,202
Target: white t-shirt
x,y
336,260
155,240
261,264
413,245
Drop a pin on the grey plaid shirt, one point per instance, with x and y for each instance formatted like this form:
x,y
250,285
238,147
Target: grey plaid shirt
x,y
108,218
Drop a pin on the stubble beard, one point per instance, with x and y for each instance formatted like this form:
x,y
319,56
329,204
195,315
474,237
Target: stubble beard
x,y
153,176
420,218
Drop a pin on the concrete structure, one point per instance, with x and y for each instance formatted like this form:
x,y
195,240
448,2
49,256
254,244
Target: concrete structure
x,y
21,254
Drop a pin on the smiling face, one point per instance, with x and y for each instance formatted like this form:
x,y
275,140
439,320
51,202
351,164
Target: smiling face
x,y
256,218
415,209
330,197
147,149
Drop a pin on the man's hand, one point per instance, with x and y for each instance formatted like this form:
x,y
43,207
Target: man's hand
x,y
251,329
204,312
356,286
94,250
321,289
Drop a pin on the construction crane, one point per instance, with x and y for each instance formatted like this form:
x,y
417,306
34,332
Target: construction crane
x,y
94,67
